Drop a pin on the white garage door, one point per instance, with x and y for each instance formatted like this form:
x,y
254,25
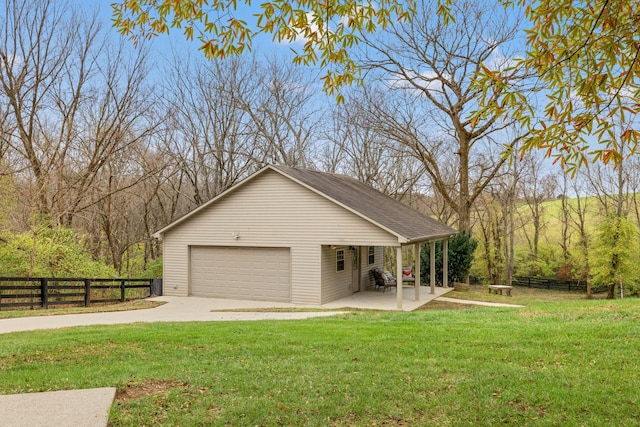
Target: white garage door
x,y
261,274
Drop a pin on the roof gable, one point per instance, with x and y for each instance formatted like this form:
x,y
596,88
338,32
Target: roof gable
x,y
385,211
408,224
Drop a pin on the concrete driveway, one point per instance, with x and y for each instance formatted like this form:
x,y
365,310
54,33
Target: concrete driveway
x,y
91,407
176,309
83,408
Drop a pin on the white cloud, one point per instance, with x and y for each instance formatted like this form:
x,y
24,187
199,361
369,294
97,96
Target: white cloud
x,y
427,80
300,37
499,62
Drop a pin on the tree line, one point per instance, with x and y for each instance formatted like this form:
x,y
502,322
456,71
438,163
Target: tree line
x,y
114,142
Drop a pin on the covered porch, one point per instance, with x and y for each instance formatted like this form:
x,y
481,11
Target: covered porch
x,y
416,293
376,300
348,281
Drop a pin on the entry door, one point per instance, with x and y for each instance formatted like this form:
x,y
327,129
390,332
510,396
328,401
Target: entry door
x,y
355,273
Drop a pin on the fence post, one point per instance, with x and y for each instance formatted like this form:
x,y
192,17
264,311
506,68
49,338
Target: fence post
x,y
87,292
44,293
122,289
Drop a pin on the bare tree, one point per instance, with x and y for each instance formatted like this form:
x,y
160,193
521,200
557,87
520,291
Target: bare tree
x,y
488,211
578,216
74,98
207,132
370,157
633,177
565,235
284,116
536,187
428,67
36,41
609,185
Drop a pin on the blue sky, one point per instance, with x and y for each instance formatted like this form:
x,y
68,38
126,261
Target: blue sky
x,y
176,40
166,48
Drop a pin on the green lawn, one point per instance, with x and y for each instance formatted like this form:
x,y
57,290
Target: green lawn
x,y
521,295
551,363
552,219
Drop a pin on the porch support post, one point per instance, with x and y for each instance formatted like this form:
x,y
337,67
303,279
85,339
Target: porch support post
x,y
432,266
445,263
399,276
416,274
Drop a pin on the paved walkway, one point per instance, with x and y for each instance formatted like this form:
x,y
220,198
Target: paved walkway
x,y
378,300
190,309
67,408
482,303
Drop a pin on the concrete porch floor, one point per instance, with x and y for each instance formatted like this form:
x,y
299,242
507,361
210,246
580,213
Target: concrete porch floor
x,y
377,300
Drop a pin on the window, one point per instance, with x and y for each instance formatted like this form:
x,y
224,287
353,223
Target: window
x,y
372,254
340,260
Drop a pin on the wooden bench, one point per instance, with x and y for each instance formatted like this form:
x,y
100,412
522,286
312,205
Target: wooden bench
x,y
499,288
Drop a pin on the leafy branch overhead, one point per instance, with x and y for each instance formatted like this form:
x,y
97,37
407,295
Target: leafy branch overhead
x,y
328,28
585,58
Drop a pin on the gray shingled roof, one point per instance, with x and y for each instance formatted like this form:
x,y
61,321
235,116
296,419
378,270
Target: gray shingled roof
x,y
372,204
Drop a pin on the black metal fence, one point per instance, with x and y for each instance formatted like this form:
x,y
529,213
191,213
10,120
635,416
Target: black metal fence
x,y
53,291
551,284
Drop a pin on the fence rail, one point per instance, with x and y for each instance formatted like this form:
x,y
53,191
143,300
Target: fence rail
x,y
555,284
54,291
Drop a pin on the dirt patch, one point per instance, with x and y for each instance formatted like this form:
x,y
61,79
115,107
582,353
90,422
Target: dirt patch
x,y
532,314
445,305
147,388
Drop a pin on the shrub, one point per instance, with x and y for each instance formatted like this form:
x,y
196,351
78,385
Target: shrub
x,y
153,270
614,255
460,258
51,252
546,264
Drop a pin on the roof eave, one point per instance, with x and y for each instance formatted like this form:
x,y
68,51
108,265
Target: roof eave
x,y
424,239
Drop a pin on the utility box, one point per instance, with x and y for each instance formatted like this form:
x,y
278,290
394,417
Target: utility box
x,y
156,287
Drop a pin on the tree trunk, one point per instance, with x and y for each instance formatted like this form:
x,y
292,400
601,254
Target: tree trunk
x,y
464,202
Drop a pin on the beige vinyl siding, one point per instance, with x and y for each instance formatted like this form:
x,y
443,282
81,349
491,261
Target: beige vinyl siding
x,y
366,279
336,284
175,266
271,211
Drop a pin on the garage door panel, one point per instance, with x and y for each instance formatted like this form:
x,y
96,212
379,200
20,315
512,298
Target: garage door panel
x,y
241,273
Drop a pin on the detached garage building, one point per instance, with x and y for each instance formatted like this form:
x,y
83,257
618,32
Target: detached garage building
x,y
290,235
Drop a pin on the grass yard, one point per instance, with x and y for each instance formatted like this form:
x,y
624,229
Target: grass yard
x,y
521,295
551,363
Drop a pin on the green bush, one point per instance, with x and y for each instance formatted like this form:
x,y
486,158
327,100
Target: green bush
x,y
614,256
153,270
460,258
51,252
546,264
